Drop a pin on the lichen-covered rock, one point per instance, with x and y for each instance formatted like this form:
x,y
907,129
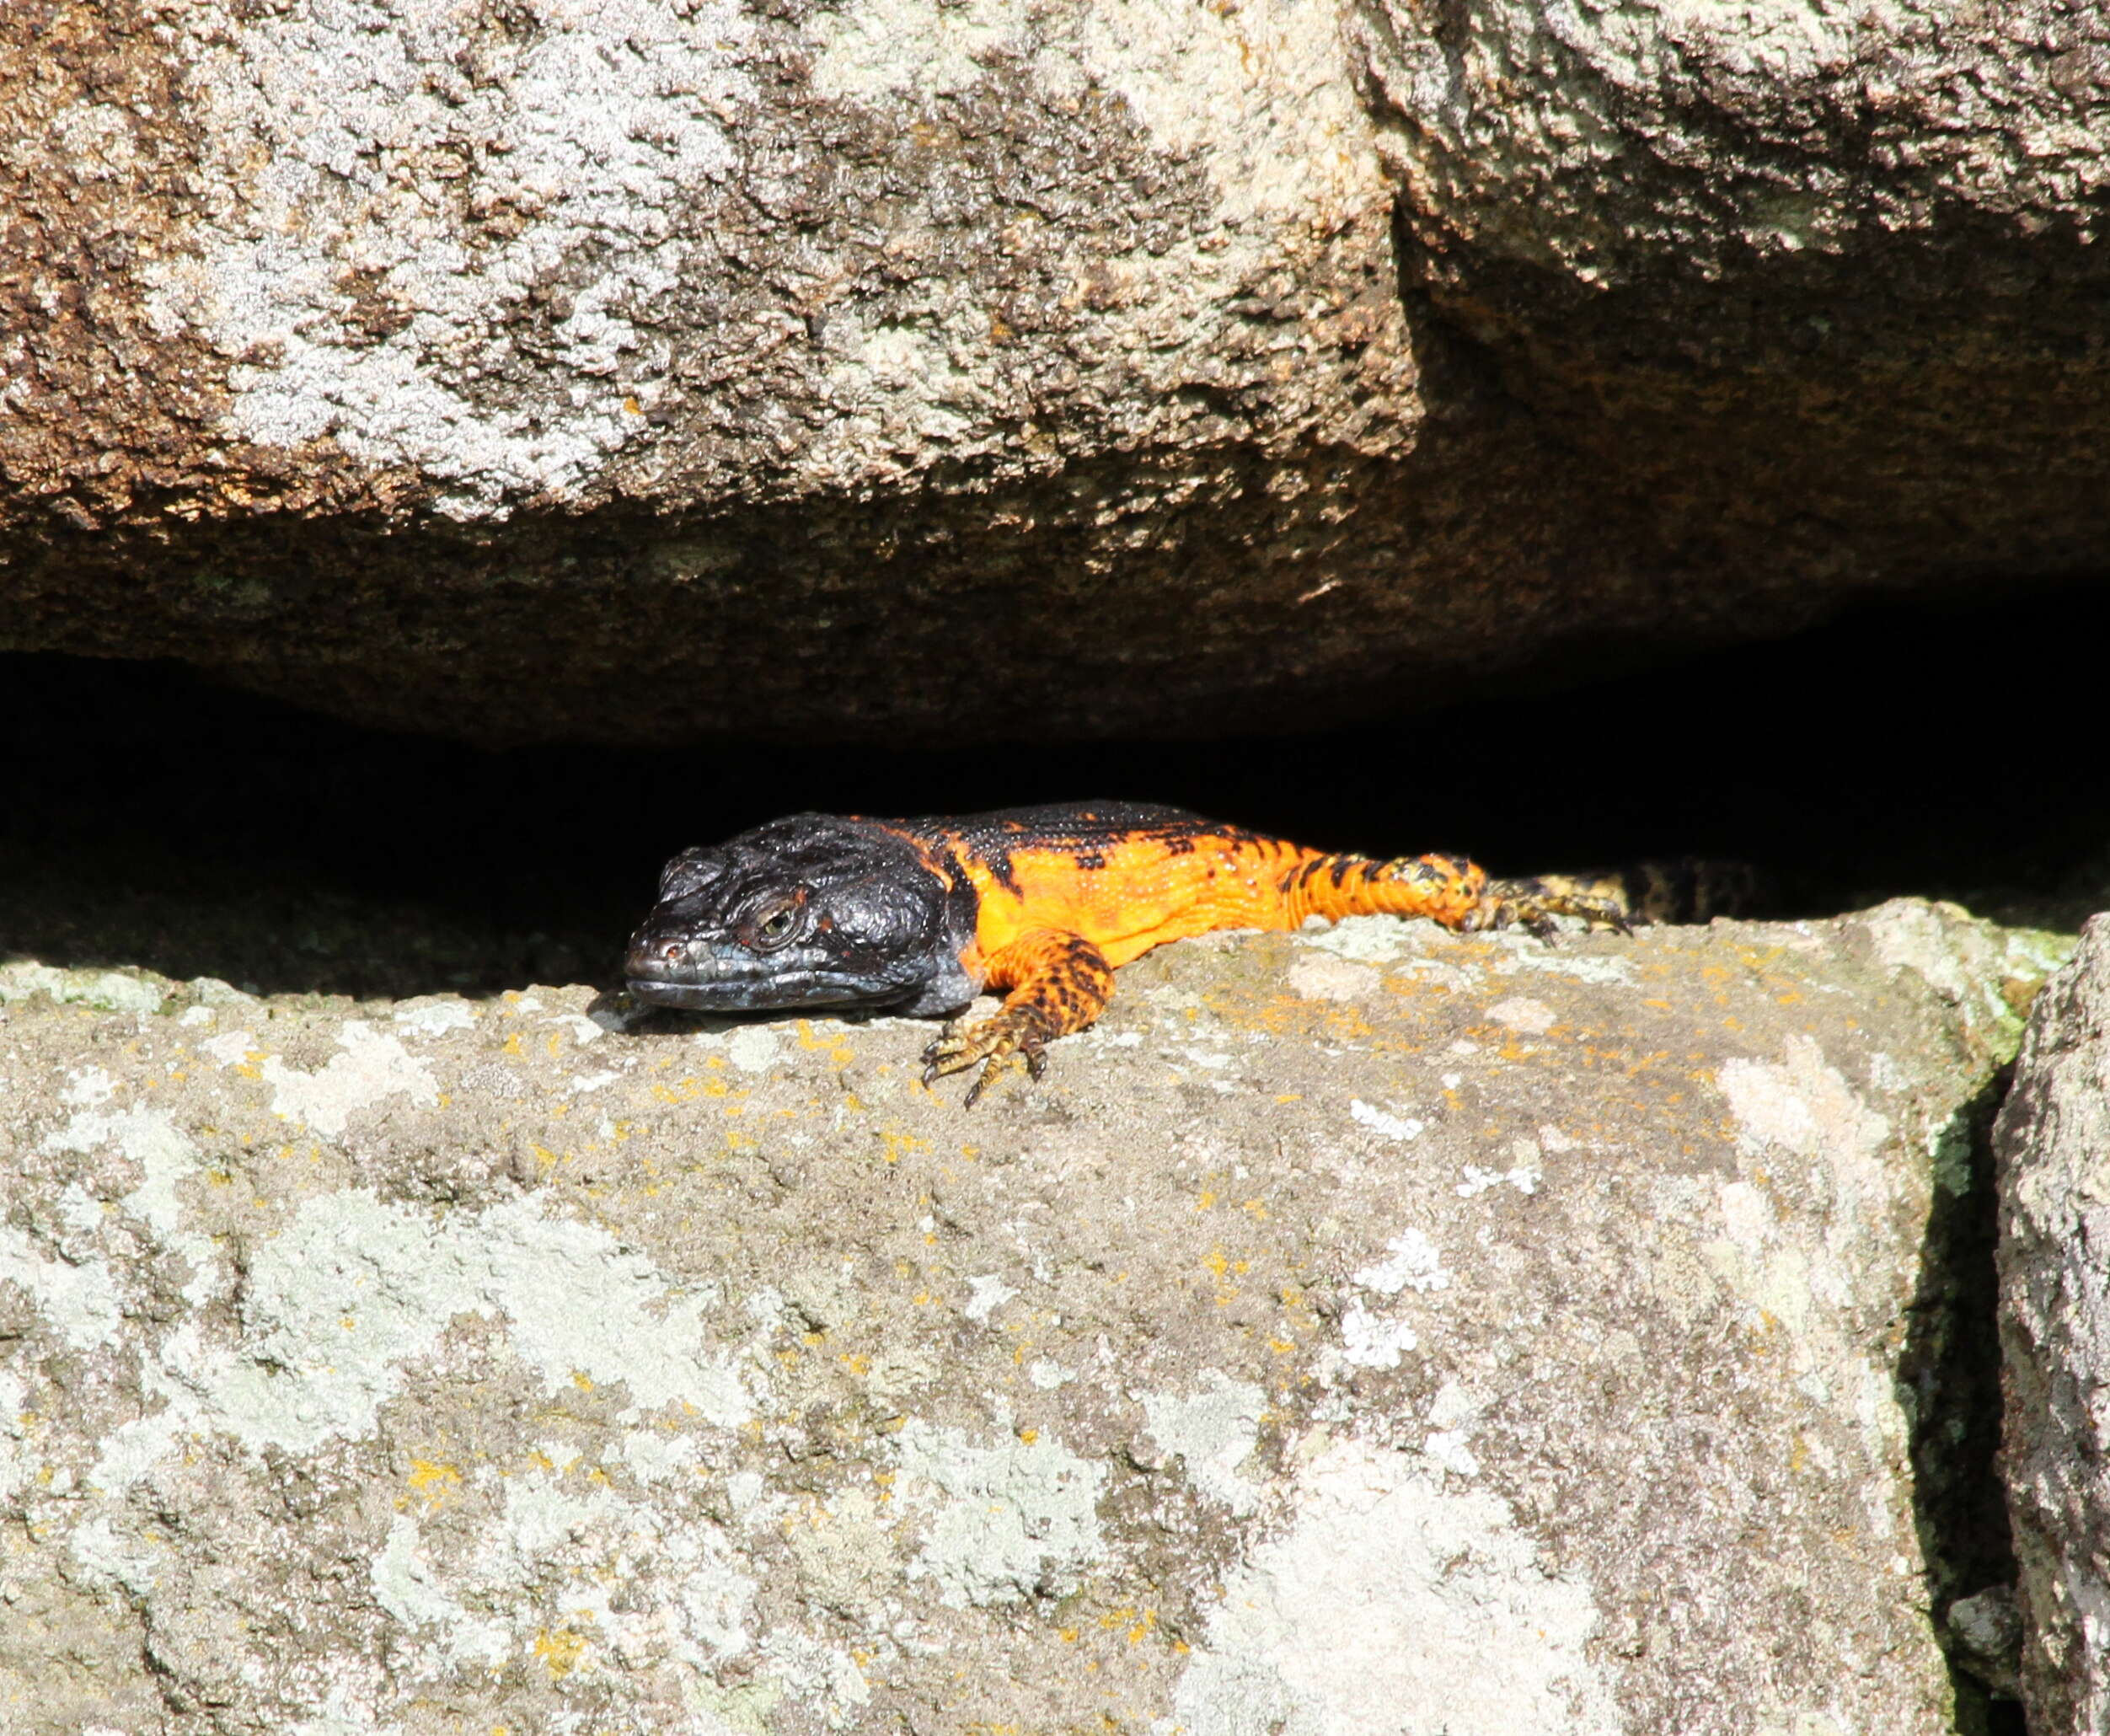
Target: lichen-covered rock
x,y
1359,1330
2053,1144
638,368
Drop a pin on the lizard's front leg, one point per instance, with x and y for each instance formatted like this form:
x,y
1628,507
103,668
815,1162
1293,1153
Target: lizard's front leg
x,y
1060,983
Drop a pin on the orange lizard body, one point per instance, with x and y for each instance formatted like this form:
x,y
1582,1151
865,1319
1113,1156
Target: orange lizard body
x,y
1044,903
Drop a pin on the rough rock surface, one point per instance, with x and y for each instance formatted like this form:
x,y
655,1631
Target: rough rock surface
x,y
2054,1145
1805,269
635,369
1362,1330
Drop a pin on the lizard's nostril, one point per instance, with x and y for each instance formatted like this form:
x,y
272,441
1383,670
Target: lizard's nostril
x,y
672,952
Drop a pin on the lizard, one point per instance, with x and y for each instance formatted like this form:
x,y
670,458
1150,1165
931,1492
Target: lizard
x,y
920,916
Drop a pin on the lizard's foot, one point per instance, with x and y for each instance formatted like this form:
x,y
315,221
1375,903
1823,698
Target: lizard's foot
x,y
1014,1033
1533,904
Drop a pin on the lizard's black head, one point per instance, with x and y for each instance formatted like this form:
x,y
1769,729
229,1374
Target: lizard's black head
x,y
808,911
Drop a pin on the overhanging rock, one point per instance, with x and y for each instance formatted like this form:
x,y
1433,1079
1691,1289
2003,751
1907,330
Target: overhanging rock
x,y
638,371
1357,1327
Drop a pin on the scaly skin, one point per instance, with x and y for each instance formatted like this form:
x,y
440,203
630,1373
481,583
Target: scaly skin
x,y
1044,903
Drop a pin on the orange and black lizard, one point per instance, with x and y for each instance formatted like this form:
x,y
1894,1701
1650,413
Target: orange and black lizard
x,y
920,916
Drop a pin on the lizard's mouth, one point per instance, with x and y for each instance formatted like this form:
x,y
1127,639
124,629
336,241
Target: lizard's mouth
x,y
701,978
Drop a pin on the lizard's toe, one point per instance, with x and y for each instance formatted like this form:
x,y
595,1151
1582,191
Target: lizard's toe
x,y
993,1042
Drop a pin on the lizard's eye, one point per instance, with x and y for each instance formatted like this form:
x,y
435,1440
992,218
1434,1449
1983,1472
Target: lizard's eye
x,y
779,925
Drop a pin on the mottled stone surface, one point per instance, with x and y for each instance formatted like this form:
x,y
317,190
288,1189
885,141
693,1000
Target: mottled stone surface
x,y
1359,1330
646,369
2053,1142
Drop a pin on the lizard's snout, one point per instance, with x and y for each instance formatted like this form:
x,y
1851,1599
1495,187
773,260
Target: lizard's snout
x,y
659,954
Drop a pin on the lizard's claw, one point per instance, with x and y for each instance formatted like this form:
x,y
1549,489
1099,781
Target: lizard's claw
x,y
1013,1033
1533,904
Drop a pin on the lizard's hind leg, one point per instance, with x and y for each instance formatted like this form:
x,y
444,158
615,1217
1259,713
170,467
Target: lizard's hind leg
x,y
1688,889
1060,983
1601,901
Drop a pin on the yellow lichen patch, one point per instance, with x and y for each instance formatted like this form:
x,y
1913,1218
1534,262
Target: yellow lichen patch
x,y
690,1088
560,1649
839,1053
434,1479
1290,1016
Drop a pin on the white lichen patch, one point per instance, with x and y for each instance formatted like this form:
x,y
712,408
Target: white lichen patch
x,y
406,1585
338,1305
327,134
1805,1110
1452,1414
114,1558
17,1465
1384,1122
1003,1523
374,1066
1525,1177
1394,1603
1525,952
1333,978
1364,940
1410,1263
887,47
1806,1106
80,1299
1520,1012
1214,1431
164,1152
435,1016
753,1048
1373,1341
231,1048
341,1713
539,1579
86,1086
165,1155
985,1293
